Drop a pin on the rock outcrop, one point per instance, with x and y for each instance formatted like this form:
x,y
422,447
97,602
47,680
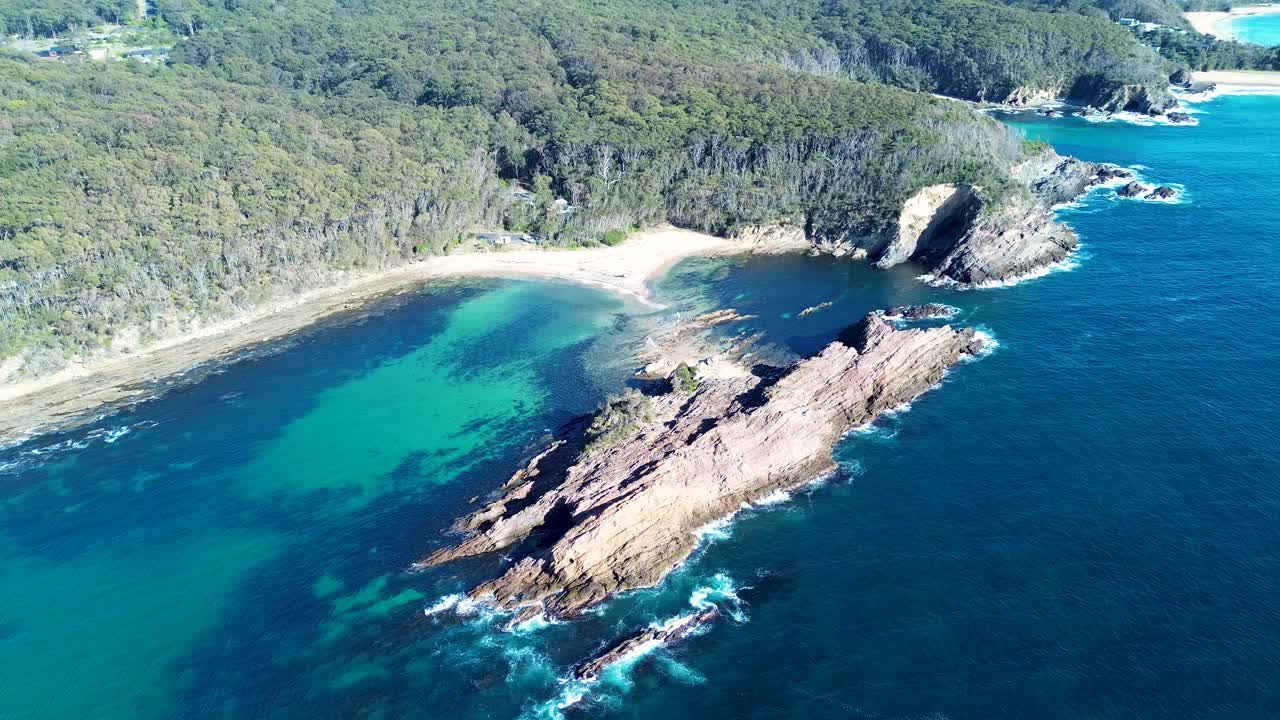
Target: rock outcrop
x,y
928,219
951,232
1026,95
581,522
928,311
1111,96
1006,245
1133,189
639,642
1164,192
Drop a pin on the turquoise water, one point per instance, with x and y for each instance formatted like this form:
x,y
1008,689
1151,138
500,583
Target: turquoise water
x,y
1257,29
1084,524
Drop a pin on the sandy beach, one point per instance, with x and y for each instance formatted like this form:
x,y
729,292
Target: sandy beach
x,y
1214,23
1228,80
625,269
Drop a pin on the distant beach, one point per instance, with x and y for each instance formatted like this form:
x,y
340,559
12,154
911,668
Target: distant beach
x,y
624,269
1229,80
1216,23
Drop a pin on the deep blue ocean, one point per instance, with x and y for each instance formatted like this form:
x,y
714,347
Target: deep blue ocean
x,y
1083,524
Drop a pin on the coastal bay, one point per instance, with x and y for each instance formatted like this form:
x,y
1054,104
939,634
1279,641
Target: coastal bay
x,y
127,373
486,359
1080,521
1218,23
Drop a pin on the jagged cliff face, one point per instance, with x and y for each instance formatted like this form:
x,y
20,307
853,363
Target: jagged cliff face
x,y
955,236
584,524
1112,96
929,221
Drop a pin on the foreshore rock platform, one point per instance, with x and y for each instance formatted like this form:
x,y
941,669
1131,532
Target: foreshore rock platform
x,y
585,520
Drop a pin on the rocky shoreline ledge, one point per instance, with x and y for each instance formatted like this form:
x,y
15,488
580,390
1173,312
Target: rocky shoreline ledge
x,y
616,503
960,238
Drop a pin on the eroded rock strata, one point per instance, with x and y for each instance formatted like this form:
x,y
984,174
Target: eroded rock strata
x,y
956,235
586,519
637,643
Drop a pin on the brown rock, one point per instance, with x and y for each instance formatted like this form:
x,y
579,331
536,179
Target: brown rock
x,y
582,525
638,642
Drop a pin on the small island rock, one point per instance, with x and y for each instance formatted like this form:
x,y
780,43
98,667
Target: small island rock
x,y
1133,189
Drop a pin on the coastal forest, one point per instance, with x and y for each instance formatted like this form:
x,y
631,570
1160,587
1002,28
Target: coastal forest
x,y
287,142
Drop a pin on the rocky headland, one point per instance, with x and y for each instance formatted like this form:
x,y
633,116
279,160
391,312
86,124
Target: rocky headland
x,y
957,236
616,503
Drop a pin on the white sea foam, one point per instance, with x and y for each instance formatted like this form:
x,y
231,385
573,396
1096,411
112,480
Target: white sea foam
x,y
989,343
853,468
681,673
1134,119
115,434
462,606
1066,265
448,602
719,592
1224,90
533,624
774,498
714,530
951,312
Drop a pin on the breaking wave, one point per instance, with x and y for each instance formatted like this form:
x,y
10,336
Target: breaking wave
x,y
718,591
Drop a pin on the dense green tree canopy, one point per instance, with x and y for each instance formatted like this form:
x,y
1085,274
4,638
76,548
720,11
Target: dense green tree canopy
x,y
290,139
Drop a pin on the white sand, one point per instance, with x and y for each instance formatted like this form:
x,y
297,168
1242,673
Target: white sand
x,y
1229,80
625,269
1214,23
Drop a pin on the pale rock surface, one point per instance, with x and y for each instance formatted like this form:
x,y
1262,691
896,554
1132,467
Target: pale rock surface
x,y
580,525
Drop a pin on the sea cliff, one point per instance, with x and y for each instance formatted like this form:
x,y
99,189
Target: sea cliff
x,y
958,236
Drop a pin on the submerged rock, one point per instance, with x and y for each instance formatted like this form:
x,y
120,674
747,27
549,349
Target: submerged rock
x,y
928,311
582,523
642,641
814,308
1133,189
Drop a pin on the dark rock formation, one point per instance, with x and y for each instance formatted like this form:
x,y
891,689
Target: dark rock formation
x,y
1179,117
929,311
1111,96
642,641
1005,245
1109,172
1133,189
814,308
1055,180
582,524
955,236
1163,192
1180,77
